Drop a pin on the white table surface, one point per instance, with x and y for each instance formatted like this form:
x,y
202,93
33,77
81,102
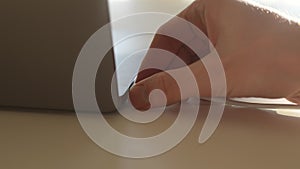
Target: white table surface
x,y
245,138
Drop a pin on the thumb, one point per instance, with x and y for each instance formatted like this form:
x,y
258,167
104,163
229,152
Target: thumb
x,y
176,84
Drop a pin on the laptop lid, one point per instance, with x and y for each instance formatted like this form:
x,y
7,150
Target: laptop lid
x,y
40,42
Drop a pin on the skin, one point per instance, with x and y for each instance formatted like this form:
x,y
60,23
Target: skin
x,y
258,48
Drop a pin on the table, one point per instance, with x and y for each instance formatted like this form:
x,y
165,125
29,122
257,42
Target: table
x,y
246,138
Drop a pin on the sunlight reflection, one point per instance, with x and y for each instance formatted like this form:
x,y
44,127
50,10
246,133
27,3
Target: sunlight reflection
x,y
289,9
289,112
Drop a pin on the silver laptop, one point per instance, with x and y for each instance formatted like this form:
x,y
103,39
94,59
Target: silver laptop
x,y
40,42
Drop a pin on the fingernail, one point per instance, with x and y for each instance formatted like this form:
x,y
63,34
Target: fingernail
x,y
139,98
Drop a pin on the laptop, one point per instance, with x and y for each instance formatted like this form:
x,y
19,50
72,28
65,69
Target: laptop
x,y
40,42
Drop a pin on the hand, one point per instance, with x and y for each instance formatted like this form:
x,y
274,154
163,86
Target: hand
x,y
259,51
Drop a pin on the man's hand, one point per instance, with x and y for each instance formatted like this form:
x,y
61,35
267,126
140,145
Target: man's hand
x,y
259,51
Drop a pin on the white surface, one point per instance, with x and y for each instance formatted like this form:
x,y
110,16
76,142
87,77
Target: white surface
x,y
245,139
256,100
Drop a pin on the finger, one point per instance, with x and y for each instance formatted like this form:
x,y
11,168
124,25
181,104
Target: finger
x,y
295,98
187,83
193,15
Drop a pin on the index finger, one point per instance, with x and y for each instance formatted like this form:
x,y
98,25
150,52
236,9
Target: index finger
x,y
194,14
